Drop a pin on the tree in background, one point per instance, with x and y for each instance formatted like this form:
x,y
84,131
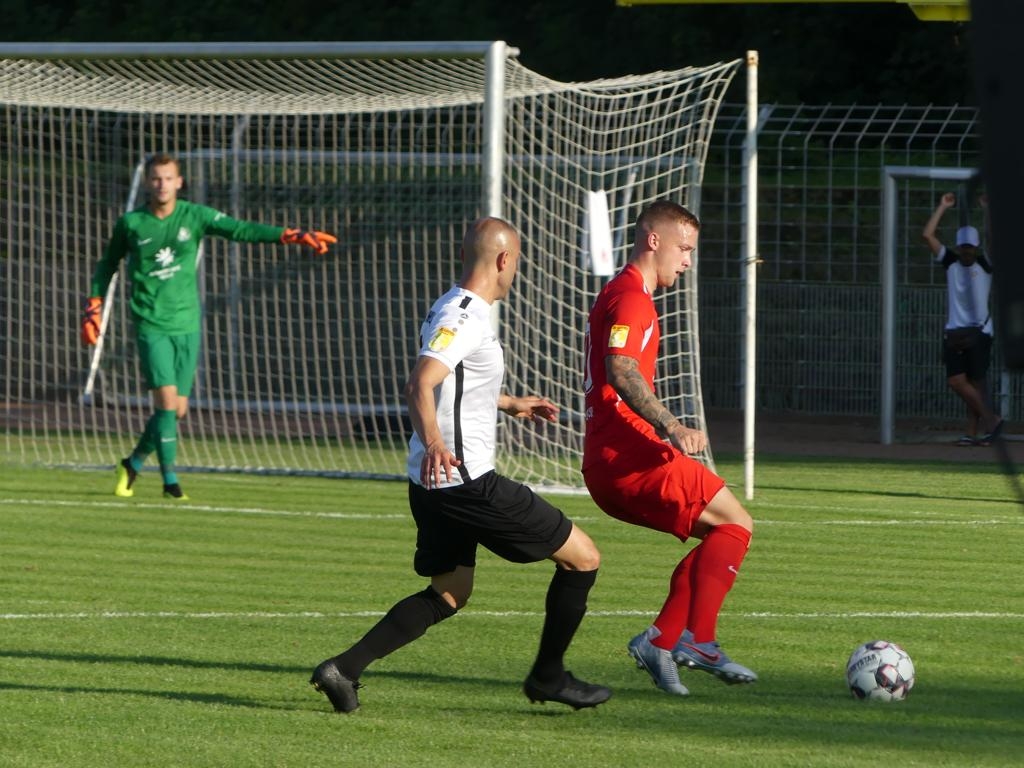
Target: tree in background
x,y
821,53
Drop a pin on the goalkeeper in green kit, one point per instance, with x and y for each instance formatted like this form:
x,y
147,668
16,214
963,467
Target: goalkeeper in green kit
x,y
160,242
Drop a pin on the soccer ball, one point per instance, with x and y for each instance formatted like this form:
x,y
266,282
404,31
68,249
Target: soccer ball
x,y
881,671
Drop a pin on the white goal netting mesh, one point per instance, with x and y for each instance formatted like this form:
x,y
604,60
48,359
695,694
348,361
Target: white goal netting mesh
x,y
305,357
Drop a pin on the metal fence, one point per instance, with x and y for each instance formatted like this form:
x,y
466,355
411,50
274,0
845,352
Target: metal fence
x,y
819,230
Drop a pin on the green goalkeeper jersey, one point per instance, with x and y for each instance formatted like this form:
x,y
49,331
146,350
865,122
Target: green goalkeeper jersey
x,y
162,264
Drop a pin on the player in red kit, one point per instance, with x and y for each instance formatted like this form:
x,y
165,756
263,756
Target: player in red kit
x,y
635,460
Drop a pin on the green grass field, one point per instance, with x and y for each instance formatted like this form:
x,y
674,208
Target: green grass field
x,y
137,633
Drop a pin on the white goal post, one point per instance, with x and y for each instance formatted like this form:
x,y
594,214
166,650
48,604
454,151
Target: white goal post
x,y
891,174
395,148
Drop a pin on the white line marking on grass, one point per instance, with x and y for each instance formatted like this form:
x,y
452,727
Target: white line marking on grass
x,y
997,521
496,614
188,615
220,510
861,510
205,508
1014,520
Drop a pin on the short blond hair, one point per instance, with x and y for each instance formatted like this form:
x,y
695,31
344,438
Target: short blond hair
x,y
664,212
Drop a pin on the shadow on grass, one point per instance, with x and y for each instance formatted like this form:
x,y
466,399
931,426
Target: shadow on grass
x,y
301,673
159,661
976,718
199,698
305,670
316,702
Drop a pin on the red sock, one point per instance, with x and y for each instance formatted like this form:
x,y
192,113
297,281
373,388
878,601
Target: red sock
x,y
715,568
672,620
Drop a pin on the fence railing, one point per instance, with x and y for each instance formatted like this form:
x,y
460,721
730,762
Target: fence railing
x,y
819,232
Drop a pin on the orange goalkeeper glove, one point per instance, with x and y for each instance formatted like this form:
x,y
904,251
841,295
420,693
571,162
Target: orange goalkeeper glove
x,y
318,241
91,319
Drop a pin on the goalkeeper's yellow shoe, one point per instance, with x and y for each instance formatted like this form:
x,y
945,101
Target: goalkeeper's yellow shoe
x,y
173,491
125,475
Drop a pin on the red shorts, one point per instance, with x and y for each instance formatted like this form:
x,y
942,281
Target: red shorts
x,y
668,495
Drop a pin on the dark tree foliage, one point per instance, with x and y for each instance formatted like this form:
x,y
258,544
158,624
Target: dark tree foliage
x,y
813,53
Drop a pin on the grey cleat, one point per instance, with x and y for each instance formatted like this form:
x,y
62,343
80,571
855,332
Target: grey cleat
x,y
711,658
658,663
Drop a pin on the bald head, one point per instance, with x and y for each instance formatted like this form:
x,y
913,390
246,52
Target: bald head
x,y
490,257
486,238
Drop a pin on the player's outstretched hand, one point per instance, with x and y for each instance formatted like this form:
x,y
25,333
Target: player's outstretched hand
x,y
531,407
318,241
91,318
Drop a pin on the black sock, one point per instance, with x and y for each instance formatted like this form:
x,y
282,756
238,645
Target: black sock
x,y
565,607
407,620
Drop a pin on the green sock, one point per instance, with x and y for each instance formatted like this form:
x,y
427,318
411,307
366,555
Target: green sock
x,y
166,434
148,441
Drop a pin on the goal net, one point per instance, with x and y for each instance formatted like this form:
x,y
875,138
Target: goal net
x,y
395,149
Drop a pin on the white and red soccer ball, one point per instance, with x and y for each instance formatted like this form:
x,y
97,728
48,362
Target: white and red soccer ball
x,y
881,671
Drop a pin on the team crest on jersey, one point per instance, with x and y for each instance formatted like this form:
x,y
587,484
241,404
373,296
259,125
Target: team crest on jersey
x,y
617,337
441,339
164,256
184,235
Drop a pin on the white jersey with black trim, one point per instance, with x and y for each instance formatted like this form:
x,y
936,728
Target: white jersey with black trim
x,y
458,332
967,291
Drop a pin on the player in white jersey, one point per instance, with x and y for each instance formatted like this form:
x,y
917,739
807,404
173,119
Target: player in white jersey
x,y
457,498
967,334
457,332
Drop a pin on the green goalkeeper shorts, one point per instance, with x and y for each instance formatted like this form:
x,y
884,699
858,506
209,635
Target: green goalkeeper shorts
x,y
169,360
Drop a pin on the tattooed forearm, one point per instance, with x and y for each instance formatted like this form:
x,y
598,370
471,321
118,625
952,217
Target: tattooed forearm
x,y
625,377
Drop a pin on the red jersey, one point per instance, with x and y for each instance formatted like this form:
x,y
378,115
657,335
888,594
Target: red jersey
x,y
623,321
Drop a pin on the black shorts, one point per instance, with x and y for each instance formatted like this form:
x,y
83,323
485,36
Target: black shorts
x,y
973,361
504,516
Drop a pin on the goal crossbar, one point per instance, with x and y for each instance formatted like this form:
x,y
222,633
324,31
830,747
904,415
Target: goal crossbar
x,y
255,50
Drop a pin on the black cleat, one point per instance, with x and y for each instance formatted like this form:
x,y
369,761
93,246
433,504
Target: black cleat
x,y
125,478
173,491
576,693
341,691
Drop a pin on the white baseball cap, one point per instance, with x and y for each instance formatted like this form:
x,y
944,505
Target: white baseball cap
x,y
967,236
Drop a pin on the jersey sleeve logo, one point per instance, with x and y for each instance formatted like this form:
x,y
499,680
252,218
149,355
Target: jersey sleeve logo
x,y
617,337
441,339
